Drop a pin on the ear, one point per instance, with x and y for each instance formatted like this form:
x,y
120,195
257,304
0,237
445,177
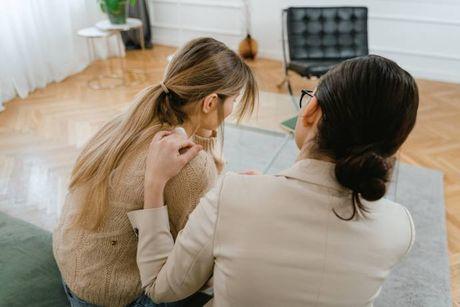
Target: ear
x,y
311,113
209,103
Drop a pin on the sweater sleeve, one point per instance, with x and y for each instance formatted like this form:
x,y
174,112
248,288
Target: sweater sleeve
x,y
183,192
170,272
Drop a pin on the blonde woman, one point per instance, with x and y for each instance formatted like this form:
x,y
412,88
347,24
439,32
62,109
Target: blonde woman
x,y
94,244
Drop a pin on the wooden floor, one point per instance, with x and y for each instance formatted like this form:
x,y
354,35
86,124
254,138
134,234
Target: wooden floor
x,y
40,136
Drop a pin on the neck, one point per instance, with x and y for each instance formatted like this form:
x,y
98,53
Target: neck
x,y
189,128
307,152
192,129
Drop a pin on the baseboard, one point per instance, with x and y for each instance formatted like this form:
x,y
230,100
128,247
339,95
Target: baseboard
x,y
270,54
443,76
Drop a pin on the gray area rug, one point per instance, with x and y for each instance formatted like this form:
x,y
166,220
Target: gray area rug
x,y
423,278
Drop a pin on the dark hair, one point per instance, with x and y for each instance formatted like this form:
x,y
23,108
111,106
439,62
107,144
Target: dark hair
x,y
369,107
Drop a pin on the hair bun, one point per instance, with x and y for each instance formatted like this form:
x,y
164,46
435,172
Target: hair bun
x,y
365,173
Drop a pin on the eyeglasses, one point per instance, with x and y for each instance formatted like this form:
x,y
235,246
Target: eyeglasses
x,y
305,98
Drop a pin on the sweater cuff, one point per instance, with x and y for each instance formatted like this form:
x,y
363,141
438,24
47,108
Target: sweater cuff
x,y
146,221
154,243
208,143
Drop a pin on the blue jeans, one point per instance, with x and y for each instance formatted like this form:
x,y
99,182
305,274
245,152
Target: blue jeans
x,y
198,299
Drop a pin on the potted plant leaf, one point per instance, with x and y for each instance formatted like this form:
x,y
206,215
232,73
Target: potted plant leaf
x,y
117,10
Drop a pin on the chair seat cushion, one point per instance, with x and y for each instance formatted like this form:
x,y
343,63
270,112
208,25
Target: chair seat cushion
x,y
310,68
28,275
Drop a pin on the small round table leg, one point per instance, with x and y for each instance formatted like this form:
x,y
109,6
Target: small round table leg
x,y
141,37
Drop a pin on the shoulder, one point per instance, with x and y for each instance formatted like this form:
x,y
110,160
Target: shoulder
x,y
233,178
225,182
396,223
200,166
391,209
243,191
252,182
197,176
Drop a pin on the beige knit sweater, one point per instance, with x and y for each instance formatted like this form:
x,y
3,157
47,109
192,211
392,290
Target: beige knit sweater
x,y
100,267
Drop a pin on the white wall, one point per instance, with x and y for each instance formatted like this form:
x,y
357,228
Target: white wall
x,y
423,36
177,21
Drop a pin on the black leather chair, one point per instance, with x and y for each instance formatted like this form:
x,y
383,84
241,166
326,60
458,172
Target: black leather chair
x,y
320,37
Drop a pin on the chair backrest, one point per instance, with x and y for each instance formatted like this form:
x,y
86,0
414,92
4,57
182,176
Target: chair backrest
x,y
326,33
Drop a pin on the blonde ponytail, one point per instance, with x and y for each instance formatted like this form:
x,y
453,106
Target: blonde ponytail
x,y
201,67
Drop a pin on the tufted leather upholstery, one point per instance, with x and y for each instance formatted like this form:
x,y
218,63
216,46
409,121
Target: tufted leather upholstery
x,y
320,37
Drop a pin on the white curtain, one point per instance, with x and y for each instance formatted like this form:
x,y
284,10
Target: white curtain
x,y
39,43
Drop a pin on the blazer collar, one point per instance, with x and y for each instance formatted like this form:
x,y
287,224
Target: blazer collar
x,y
314,171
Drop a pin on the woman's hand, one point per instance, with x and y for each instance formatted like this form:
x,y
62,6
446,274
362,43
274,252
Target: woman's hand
x,y
168,153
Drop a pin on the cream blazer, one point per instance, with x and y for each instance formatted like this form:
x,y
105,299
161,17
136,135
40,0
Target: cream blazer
x,y
274,241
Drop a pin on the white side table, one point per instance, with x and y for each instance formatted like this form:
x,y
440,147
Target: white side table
x,y
131,23
101,81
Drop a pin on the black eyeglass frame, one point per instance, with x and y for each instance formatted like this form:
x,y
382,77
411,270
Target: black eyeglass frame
x,y
304,92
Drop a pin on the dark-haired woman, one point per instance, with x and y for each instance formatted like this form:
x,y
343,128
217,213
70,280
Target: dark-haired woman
x,y
319,233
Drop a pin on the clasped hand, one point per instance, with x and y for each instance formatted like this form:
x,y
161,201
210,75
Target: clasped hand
x,y
168,153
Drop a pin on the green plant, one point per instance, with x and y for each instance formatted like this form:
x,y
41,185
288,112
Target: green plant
x,y
116,9
114,5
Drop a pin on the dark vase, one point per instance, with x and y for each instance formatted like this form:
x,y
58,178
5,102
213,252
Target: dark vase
x,y
248,48
117,10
